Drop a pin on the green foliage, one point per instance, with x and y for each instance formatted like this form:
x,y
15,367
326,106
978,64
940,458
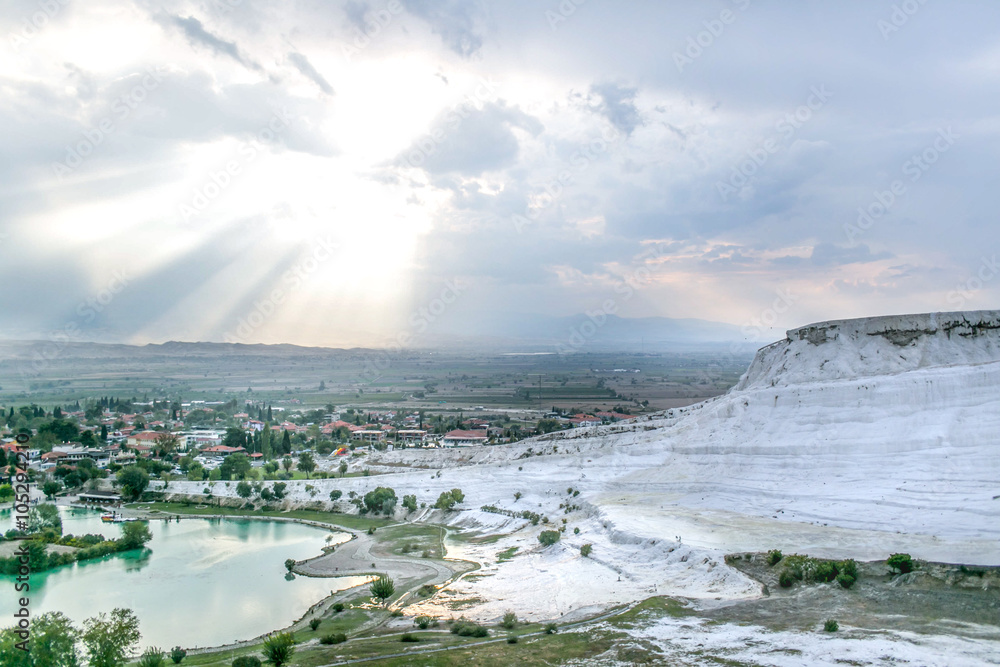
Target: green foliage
x,y
551,628
466,628
133,481
901,563
6,492
278,648
506,554
247,661
410,503
314,624
422,622
509,620
825,571
338,607
774,557
831,625
512,639
289,564
51,488
335,638
382,588
407,637
379,499
109,641
279,489
586,549
458,495
786,579
548,537
152,657
336,494
244,490
177,654
135,534
53,643
445,501
845,580
848,567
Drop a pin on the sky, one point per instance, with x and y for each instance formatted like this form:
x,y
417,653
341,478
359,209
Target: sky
x,y
352,173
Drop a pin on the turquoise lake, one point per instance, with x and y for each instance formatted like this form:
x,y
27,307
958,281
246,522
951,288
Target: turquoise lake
x,y
200,582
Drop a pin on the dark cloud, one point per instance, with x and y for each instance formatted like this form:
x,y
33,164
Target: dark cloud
x,y
456,21
617,104
306,68
198,36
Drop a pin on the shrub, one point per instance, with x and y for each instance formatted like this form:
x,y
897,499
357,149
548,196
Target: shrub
x,y
550,629
465,628
825,571
335,638
831,625
246,661
382,588
845,580
336,494
786,579
314,623
289,564
422,622
576,531
901,562
848,567
548,537
586,549
279,648
177,654
512,639
773,557
407,637
152,657
509,620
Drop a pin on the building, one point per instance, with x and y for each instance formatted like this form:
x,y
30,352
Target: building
x,y
368,435
411,436
459,438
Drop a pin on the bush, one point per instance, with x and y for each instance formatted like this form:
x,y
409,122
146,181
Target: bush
x,y
335,638
314,623
338,607
773,557
509,620
786,579
422,622
246,661
831,625
586,549
289,564
551,629
464,628
407,637
901,562
279,648
512,639
845,580
848,567
152,657
825,571
336,494
177,654
548,537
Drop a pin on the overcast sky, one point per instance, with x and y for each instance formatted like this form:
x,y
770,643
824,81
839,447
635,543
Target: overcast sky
x,y
339,173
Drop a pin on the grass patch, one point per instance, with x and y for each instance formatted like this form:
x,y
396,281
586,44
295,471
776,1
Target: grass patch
x,y
342,520
506,554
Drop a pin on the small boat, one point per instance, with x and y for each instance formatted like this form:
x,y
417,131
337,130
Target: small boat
x,y
117,518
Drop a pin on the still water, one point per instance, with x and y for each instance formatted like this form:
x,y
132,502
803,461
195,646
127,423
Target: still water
x,y
200,582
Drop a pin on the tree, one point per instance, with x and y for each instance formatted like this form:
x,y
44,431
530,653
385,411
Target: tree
x,y
244,490
509,620
377,500
235,465
135,534
177,654
342,468
306,463
265,442
586,549
445,501
548,537
410,503
286,443
457,495
246,661
133,481
6,492
314,624
235,437
51,488
53,643
110,642
278,648
382,588
517,496
286,463
44,516
289,564
336,494
62,429
167,443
